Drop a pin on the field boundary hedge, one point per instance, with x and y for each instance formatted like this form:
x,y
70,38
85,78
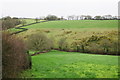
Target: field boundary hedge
x,y
25,29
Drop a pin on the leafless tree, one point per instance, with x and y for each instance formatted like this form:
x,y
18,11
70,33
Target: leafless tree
x,y
108,16
77,17
98,17
70,18
88,17
82,17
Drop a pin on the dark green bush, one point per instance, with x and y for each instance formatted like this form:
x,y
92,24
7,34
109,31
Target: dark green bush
x,y
51,17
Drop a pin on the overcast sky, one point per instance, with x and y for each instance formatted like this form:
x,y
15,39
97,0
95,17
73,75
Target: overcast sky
x,y
37,8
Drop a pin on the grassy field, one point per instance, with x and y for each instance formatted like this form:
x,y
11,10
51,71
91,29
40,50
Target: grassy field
x,y
77,24
77,27
28,21
58,64
74,25
74,30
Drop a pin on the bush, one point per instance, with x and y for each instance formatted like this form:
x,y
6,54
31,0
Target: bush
x,y
102,44
51,17
97,44
74,46
106,45
9,22
39,42
14,58
23,22
95,48
63,45
67,32
93,38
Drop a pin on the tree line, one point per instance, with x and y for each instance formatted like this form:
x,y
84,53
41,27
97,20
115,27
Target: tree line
x,y
8,22
81,17
88,17
94,44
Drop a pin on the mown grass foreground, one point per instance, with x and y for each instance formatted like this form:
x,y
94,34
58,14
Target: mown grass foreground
x,y
58,64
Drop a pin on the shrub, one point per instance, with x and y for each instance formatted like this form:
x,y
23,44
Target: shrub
x,y
94,48
23,22
113,47
82,48
14,58
62,43
79,45
47,31
74,46
39,42
106,45
9,22
51,17
67,32
36,19
98,44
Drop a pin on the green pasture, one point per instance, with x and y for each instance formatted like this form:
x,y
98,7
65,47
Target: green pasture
x,y
72,28
71,31
58,64
28,21
77,24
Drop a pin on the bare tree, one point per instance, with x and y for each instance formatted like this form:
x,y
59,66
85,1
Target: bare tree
x,y
88,17
98,17
77,17
42,17
73,17
115,17
82,17
108,16
70,17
